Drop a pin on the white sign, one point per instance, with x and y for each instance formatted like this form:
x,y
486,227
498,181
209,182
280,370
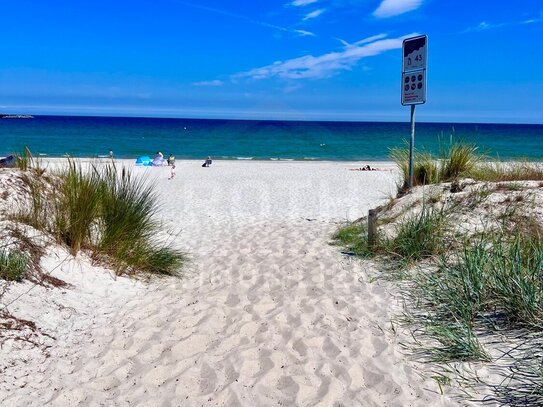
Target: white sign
x,y
414,87
415,56
415,53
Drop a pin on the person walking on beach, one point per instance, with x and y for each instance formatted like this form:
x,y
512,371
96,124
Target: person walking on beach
x,y
172,173
171,160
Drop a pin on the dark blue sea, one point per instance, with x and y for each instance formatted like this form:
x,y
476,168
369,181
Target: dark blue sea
x,y
259,140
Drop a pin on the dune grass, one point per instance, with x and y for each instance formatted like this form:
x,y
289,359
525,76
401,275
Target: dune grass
x,y
425,169
13,265
23,159
419,236
354,237
77,206
105,211
459,160
465,287
129,228
510,171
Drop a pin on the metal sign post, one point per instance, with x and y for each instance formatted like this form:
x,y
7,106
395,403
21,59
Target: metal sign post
x,y
415,56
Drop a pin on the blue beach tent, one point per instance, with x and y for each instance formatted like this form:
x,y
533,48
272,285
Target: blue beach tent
x,y
144,160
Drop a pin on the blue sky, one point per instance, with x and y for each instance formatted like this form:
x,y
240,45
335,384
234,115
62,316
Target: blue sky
x,y
292,59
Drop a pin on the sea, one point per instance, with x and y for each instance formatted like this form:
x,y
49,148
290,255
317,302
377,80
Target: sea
x,y
131,137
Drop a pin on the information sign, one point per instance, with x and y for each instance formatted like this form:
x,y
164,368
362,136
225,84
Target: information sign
x,y
415,53
415,56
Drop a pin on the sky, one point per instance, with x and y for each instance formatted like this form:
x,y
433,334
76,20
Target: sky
x,y
286,60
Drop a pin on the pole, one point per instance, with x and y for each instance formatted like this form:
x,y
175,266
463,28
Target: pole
x,y
412,147
372,228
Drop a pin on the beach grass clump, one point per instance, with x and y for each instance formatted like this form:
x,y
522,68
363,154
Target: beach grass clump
x,y
496,282
23,159
457,342
458,159
129,230
509,171
35,213
77,206
425,170
516,279
106,211
354,237
13,265
419,236
462,160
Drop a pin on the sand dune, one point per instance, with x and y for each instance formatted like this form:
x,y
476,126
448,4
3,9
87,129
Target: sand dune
x,y
267,313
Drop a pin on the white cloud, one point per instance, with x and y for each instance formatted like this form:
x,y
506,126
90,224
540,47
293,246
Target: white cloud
x,y
304,33
215,82
364,41
483,25
324,65
390,8
301,3
314,14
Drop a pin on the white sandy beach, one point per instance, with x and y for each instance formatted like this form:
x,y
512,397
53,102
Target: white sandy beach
x,y
267,313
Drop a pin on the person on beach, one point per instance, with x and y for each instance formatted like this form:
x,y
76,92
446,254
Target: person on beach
x,y
171,160
172,173
110,153
367,168
159,160
207,162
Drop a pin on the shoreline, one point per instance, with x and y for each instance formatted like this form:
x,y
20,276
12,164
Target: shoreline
x,y
237,159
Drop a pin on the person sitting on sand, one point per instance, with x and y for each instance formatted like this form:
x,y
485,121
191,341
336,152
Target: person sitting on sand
x,y
159,160
367,168
171,160
207,162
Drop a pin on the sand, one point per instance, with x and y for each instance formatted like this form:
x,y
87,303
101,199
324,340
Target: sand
x,y
267,312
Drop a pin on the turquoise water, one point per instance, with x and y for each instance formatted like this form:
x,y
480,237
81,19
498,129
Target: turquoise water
x,y
241,139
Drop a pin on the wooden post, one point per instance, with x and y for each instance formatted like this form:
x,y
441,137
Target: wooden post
x,y
372,227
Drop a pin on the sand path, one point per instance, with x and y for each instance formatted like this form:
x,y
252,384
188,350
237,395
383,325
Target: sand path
x,y
267,314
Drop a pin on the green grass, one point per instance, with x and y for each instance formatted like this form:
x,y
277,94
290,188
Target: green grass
x,y
495,283
128,212
13,265
419,236
23,160
107,212
425,170
77,206
510,171
456,342
458,160
34,214
354,237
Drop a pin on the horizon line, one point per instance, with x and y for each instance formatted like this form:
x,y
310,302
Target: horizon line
x,y
128,116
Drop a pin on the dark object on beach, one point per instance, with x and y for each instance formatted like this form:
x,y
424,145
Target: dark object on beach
x,y
366,168
9,161
171,160
207,162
